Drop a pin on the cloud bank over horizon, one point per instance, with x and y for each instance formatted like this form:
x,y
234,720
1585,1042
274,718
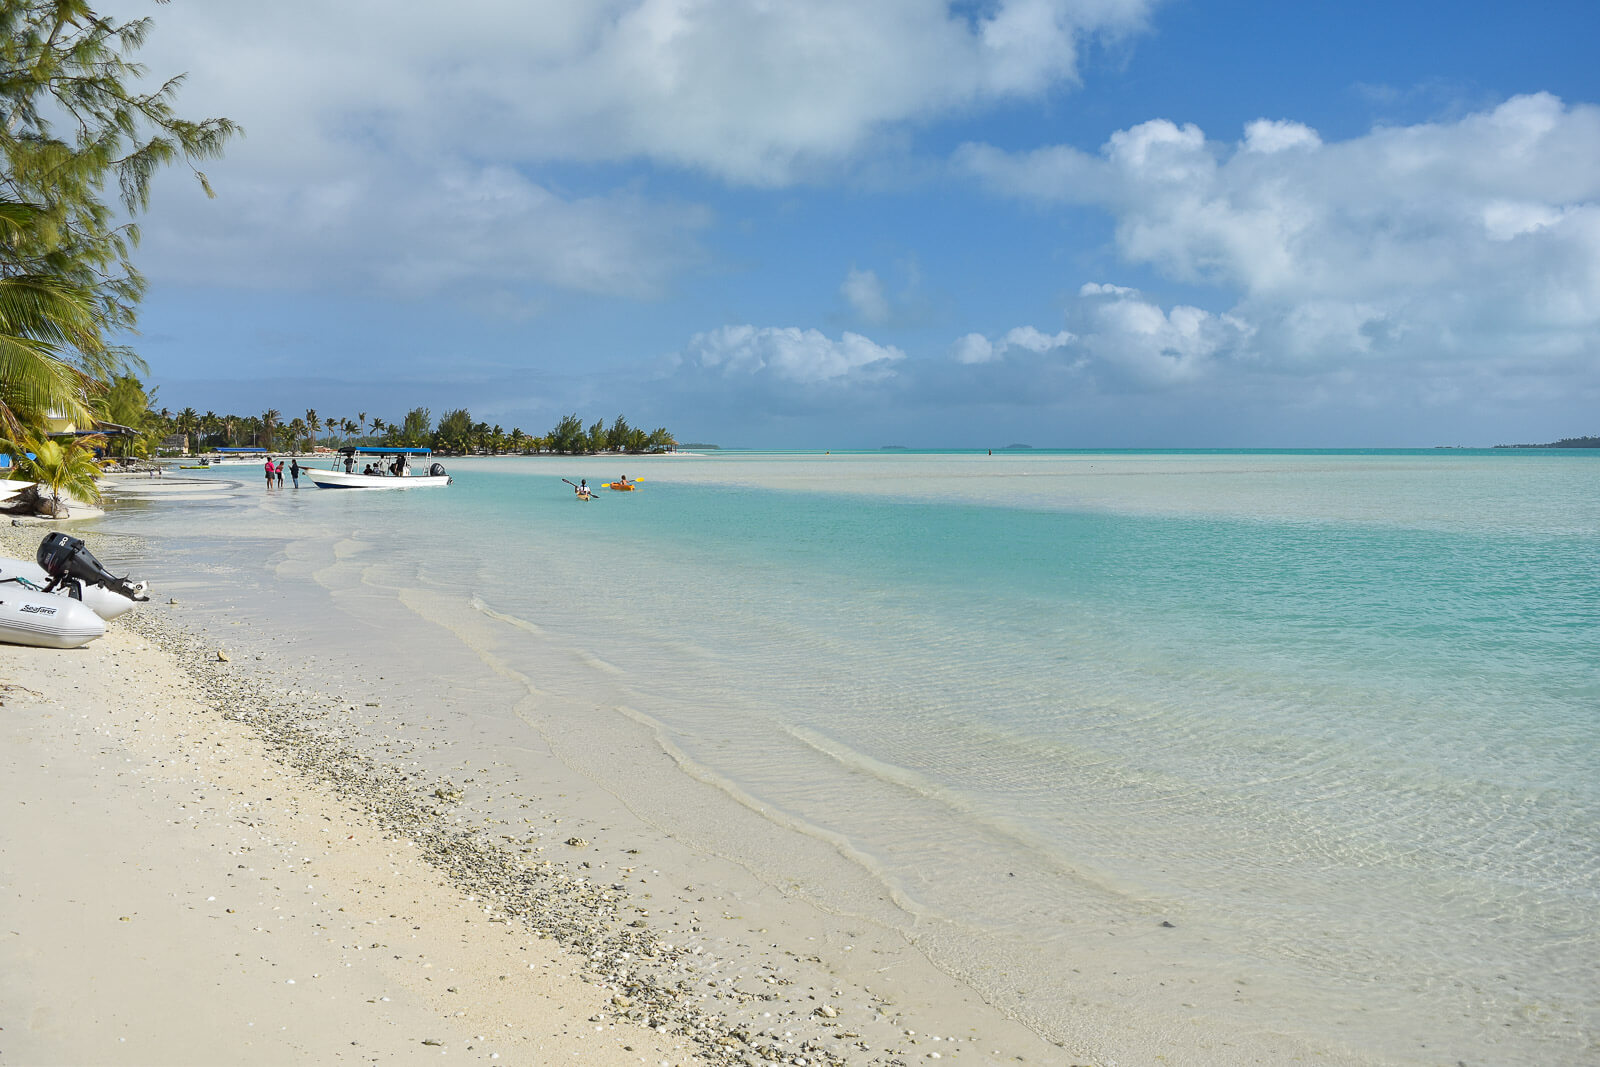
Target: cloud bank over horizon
x,y
1460,250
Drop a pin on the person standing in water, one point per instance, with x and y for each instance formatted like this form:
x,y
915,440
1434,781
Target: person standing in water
x,y
269,472
294,472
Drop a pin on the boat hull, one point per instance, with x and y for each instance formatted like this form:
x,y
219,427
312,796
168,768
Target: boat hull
x,y
324,479
46,620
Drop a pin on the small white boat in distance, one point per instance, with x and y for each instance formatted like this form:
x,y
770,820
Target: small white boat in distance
x,y
380,468
236,457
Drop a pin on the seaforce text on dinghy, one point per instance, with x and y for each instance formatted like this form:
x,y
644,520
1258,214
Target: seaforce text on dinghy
x,y
45,620
380,468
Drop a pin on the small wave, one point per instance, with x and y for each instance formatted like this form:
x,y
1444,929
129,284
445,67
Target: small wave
x,y
998,829
477,604
589,659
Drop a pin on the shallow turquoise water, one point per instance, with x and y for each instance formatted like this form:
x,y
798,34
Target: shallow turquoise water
x,y
1336,714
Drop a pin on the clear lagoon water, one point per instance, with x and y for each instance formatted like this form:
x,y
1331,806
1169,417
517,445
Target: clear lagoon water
x,y
1335,717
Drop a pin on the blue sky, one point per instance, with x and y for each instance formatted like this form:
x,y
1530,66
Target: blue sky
x,y
1077,223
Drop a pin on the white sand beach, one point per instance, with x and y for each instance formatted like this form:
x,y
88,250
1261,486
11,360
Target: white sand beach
x,y
192,875
172,894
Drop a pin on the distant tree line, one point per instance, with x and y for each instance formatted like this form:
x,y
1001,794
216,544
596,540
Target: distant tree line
x,y
1565,442
456,431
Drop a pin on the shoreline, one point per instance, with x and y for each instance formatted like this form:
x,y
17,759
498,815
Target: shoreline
x,y
624,978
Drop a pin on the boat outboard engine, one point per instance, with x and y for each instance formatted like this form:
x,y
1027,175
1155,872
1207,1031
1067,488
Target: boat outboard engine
x,y
436,470
70,564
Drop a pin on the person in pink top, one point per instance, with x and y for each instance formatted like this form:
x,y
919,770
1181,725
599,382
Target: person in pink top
x,y
271,470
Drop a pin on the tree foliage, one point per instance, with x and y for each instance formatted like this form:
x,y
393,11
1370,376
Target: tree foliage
x,y
77,120
456,431
63,469
80,141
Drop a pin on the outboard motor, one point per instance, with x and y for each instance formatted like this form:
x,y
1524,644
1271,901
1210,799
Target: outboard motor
x,y
436,470
68,562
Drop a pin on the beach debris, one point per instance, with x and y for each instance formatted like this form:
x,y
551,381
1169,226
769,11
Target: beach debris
x,y
174,600
577,842
827,1011
222,657
1168,925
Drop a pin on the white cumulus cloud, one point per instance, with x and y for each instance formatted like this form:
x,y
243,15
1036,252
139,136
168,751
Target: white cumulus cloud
x,y
374,132
1133,343
805,357
976,348
1473,240
750,92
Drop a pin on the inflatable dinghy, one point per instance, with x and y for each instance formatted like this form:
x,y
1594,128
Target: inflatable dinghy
x,y
20,576
67,568
46,620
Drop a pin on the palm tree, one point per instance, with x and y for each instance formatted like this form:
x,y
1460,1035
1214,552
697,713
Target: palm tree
x,y
42,319
314,424
361,421
187,422
64,468
296,431
269,425
228,423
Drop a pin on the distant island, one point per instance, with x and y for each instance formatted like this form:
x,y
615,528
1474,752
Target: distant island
x,y
1565,442
700,445
892,448
1016,448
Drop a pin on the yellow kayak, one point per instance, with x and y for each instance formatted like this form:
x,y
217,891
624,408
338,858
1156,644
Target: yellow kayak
x,y
626,487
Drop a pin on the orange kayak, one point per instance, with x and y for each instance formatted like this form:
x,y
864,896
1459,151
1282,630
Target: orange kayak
x,y
626,487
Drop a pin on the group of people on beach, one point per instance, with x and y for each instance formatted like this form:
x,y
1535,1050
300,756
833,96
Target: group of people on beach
x,y
275,472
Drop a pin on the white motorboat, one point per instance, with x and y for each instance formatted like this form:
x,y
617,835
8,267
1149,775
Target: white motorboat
x,y
236,457
380,468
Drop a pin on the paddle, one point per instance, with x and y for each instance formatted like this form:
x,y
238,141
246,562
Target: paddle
x,y
575,485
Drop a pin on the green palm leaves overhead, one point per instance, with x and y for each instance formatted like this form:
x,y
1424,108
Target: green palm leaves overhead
x,y
74,123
